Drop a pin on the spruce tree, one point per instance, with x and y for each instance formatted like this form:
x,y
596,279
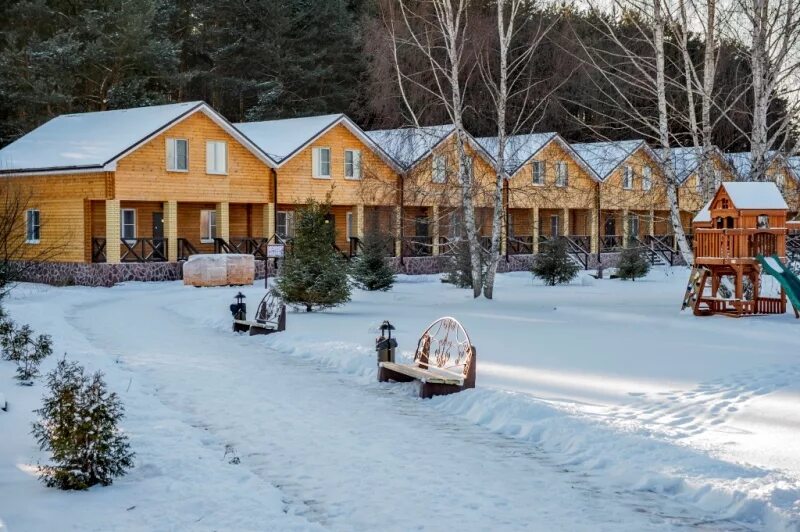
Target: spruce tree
x,y
314,274
553,264
458,270
632,264
6,334
371,271
78,426
29,353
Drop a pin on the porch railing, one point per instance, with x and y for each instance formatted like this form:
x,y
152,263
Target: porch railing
x,y
520,245
611,243
737,243
417,246
662,244
584,242
185,249
98,249
143,250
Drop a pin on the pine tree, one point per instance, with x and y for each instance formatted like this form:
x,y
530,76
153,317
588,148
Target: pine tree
x,y
553,264
314,273
6,334
371,271
78,426
632,264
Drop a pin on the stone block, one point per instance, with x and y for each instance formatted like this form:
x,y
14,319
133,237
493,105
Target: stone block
x,y
219,270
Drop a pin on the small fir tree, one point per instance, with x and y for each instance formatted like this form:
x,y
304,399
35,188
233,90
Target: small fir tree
x,y
371,271
314,274
29,353
632,264
553,264
78,426
458,270
6,334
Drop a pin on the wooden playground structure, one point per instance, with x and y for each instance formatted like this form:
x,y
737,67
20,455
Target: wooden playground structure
x,y
740,234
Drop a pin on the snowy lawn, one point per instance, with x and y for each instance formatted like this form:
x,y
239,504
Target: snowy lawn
x,y
599,407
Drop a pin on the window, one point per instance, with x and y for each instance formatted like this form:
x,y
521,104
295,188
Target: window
x,y
763,221
352,164
127,222
177,155
321,162
537,170
562,176
208,226
724,203
717,178
285,225
647,178
627,178
350,230
32,232
439,169
468,168
216,157
554,223
454,229
780,181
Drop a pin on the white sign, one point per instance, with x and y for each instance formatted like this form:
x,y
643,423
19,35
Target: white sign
x,y
275,250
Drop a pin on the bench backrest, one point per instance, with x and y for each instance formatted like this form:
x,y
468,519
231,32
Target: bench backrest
x,y
269,310
445,345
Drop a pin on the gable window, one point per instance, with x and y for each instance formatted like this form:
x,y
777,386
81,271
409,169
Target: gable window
x,y
724,203
284,226
352,164
647,178
208,226
562,175
468,168
32,231
763,221
216,157
127,223
627,178
439,169
321,162
177,155
537,171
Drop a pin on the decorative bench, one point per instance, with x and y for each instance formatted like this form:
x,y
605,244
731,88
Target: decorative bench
x,y
444,362
270,317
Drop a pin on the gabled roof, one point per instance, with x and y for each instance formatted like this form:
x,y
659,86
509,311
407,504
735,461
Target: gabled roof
x,y
704,214
95,141
284,138
518,150
742,162
605,157
755,195
686,160
408,146
793,163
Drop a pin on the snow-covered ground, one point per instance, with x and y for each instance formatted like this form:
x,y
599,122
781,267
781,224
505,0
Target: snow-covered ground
x,y
599,406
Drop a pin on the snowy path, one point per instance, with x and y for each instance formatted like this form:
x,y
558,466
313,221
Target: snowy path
x,y
356,457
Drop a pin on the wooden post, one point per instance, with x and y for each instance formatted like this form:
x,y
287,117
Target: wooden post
x,y
595,231
652,223
268,221
171,229
565,224
435,230
223,221
535,229
360,222
113,232
625,228
398,231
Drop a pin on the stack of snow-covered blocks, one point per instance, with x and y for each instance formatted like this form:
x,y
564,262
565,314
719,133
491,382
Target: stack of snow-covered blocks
x,y
219,270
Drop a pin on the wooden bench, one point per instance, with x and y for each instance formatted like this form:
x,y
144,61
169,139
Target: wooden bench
x,y
444,361
270,317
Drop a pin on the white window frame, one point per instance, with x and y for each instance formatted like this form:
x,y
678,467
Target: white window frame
x,y
33,229
354,165
172,155
316,163
209,228
122,225
647,177
213,149
439,173
537,165
627,177
348,225
562,174
288,223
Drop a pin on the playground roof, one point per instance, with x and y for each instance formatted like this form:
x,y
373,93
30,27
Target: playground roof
x,y
755,195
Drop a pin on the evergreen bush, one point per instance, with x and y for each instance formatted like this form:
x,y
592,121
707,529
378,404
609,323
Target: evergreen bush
x,y
632,264
458,270
78,426
371,271
553,264
314,275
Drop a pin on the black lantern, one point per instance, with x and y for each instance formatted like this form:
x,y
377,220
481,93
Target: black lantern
x,y
239,309
385,345
386,329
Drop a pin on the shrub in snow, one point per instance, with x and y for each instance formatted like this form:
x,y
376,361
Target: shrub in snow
x,y
314,274
78,426
28,353
553,264
458,270
632,264
6,334
371,271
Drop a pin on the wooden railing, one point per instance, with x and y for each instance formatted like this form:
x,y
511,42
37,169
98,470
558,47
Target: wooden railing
x,y
610,242
662,244
185,249
739,243
144,250
98,249
520,245
584,242
417,246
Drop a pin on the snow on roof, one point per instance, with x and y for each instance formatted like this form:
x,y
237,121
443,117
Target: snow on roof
x,y
86,140
604,157
409,145
519,148
742,162
281,138
704,215
755,195
794,165
685,160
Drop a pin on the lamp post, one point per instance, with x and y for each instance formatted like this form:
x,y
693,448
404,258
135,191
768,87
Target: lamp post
x,y
385,345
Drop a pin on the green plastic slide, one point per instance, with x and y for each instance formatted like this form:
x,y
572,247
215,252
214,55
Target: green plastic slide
x,y
789,281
